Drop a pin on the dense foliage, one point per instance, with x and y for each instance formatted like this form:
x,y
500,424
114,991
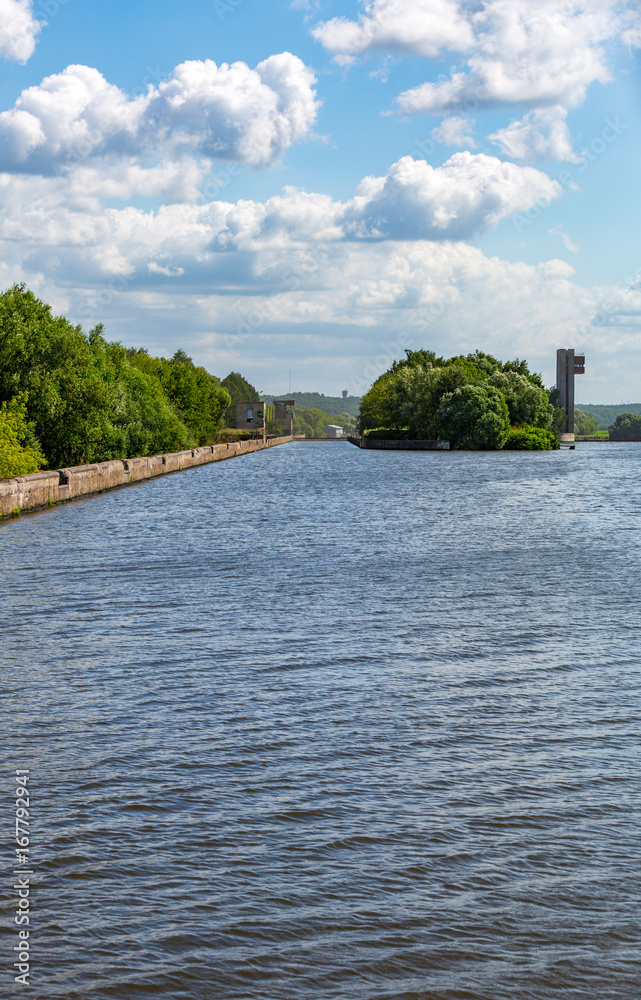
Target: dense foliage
x,y
333,406
626,427
471,400
240,391
584,424
606,413
196,396
530,439
20,454
88,400
311,421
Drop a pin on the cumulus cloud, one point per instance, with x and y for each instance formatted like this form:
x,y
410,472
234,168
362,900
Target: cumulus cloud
x,y
632,29
18,30
536,52
229,112
303,276
466,195
455,132
63,226
414,27
541,135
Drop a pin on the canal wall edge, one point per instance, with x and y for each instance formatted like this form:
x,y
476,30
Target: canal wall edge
x,y
43,489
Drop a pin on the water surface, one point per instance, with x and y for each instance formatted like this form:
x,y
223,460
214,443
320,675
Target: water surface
x,y
328,724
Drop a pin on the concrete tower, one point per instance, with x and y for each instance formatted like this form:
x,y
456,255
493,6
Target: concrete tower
x,y
568,364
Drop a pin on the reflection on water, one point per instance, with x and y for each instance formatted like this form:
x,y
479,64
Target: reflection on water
x,y
323,724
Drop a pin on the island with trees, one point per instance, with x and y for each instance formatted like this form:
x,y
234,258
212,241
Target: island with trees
x,y
473,401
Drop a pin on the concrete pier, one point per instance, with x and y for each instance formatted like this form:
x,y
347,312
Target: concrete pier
x,y
43,489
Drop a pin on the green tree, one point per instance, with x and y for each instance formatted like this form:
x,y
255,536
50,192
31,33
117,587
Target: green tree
x,y
91,400
626,427
558,414
20,453
474,416
198,397
311,421
376,403
66,375
240,391
584,424
527,402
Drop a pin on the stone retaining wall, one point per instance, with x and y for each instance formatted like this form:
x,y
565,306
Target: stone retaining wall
x,y
391,445
46,488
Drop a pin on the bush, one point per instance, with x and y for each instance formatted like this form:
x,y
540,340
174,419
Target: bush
x,y
626,427
20,453
528,438
390,434
474,416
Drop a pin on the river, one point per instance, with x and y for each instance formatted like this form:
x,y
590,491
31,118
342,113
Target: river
x,y
328,724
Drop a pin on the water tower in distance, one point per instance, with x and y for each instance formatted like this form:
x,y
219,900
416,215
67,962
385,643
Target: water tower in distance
x,y
344,393
568,364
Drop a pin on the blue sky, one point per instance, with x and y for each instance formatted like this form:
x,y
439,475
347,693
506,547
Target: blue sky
x,y
316,186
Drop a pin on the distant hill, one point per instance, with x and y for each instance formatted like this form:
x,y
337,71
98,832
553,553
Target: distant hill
x,y
330,404
607,414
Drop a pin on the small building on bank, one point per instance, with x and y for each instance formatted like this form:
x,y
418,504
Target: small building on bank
x,y
334,431
250,416
284,414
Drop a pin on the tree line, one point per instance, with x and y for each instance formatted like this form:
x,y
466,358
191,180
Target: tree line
x,y
473,401
73,398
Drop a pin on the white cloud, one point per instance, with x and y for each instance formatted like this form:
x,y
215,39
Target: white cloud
x,y
413,27
541,135
455,132
18,30
466,195
535,52
228,112
294,277
567,241
414,201
632,30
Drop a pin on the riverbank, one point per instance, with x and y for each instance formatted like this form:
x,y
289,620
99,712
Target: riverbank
x,y
44,489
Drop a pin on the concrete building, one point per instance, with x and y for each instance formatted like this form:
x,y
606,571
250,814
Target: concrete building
x,y
568,364
250,416
284,414
334,431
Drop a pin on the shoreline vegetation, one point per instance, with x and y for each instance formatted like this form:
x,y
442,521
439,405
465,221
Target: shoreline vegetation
x,y
473,401
70,398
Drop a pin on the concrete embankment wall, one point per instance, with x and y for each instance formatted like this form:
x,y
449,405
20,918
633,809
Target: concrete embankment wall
x,y
382,445
46,488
